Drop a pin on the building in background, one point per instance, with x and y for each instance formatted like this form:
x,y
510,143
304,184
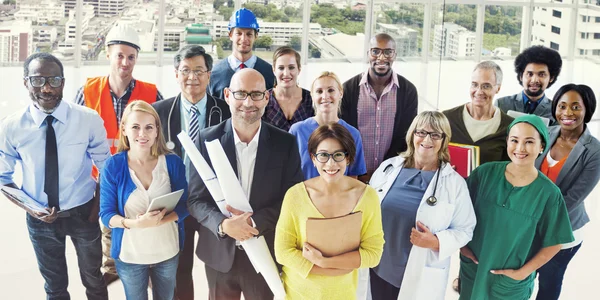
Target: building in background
x,y
280,32
42,12
102,8
451,40
16,43
405,37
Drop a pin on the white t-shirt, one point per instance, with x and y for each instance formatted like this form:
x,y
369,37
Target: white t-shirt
x,y
479,129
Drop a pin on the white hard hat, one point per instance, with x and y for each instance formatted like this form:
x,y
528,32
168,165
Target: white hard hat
x,y
123,34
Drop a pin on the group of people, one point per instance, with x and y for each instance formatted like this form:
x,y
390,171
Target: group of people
x,y
333,150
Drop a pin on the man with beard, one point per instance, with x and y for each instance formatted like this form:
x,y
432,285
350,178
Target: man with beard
x,y
109,95
267,163
381,104
243,31
56,143
537,69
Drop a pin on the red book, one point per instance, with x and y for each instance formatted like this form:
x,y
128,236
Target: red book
x,y
460,158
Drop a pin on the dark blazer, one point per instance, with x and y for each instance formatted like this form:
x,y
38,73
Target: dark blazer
x,y
515,102
579,175
277,169
407,101
164,107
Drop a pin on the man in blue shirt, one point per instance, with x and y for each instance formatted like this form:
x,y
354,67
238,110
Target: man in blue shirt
x,y
56,143
537,69
243,32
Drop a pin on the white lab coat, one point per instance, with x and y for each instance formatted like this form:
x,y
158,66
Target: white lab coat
x,y
452,220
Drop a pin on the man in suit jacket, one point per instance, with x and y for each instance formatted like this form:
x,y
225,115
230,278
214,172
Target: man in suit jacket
x,y
267,163
537,69
192,106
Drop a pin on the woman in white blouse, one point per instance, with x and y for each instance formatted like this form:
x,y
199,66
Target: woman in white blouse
x,y
144,244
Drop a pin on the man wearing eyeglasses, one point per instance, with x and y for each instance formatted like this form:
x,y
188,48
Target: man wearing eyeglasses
x,y
109,95
267,164
479,122
192,110
381,104
56,144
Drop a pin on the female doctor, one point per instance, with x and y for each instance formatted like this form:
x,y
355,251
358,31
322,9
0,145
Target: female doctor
x,y
427,214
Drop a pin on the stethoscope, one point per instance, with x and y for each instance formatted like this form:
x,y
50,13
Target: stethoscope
x,y
215,108
431,200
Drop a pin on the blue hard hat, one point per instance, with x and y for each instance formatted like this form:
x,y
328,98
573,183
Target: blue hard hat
x,y
243,18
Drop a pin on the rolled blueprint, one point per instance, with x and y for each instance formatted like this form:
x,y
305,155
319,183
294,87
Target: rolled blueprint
x,y
206,173
256,248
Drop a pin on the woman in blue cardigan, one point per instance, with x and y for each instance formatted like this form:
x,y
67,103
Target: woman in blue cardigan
x,y
144,244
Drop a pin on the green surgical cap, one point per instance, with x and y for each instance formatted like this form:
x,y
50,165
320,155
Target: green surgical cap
x,y
534,121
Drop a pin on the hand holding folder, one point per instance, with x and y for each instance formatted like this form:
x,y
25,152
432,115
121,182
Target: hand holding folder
x,y
464,158
334,236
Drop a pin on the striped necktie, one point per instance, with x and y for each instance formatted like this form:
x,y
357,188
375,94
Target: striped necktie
x,y
194,129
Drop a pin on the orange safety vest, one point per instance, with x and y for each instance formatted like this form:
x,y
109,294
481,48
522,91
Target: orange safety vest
x,y
97,96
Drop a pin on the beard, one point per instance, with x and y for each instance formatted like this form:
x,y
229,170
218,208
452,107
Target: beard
x,y
537,93
47,103
373,67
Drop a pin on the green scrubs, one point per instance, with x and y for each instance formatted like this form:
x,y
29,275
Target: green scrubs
x,y
513,224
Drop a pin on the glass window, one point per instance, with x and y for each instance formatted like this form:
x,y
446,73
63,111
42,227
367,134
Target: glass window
x,y
554,46
404,22
502,30
555,29
556,13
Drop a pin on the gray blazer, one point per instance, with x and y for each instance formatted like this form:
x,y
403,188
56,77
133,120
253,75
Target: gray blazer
x,y
277,168
578,176
515,102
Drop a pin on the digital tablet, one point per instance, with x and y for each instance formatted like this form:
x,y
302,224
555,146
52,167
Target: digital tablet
x,y
168,201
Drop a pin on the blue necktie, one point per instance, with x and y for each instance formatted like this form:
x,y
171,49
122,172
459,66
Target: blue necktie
x,y
194,129
51,169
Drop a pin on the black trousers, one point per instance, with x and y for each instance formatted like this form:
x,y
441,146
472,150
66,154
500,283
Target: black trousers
x,y
381,289
242,278
184,289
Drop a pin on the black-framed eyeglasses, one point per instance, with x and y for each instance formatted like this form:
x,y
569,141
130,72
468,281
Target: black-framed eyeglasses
x,y
198,73
242,95
40,81
386,52
323,157
434,135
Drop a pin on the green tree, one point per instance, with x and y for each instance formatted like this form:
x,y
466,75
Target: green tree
x,y
296,42
224,42
226,12
263,41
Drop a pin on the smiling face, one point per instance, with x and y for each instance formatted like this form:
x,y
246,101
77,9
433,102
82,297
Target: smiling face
x,y
242,39
246,111
536,78
46,97
570,111
141,131
426,148
192,86
286,70
483,87
524,144
331,170
122,60
380,64
326,95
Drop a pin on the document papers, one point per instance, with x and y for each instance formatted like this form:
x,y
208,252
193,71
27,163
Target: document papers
x,y
334,236
226,189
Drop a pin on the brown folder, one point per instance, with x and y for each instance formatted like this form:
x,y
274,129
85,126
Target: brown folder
x,y
334,236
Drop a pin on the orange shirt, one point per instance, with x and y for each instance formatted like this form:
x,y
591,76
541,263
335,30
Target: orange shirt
x,y
552,172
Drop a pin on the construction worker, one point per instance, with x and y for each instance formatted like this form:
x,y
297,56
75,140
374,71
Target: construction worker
x,y
109,95
243,32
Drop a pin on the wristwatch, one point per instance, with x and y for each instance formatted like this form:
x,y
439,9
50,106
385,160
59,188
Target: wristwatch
x,y
220,230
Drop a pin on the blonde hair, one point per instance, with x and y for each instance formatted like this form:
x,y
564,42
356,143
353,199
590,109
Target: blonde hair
x,y
439,123
160,146
337,81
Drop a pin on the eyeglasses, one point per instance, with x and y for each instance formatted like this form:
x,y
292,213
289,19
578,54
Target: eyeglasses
x,y
255,96
386,52
40,81
323,157
485,86
198,73
434,135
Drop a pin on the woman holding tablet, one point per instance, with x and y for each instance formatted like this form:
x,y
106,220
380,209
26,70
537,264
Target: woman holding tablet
x,y
144,244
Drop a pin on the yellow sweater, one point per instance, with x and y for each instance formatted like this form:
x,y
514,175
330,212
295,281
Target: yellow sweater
x,y
290,235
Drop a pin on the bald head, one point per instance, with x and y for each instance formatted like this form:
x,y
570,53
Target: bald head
x,y
383,38
247,77
247,97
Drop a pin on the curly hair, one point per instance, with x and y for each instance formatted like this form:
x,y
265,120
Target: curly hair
x,y
539,55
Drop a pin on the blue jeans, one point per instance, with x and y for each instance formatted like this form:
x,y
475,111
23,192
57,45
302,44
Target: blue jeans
x,y
551,274
49,245
135,279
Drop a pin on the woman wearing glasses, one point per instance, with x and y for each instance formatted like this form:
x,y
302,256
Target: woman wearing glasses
x,y
522,219
145,244
327,96
426,212
307,274
573,163
288,103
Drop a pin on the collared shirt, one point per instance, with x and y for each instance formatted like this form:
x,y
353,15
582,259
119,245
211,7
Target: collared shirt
x,y
234,63
186,109
246,159
275,116
530,105
376,119
80,139
118,103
